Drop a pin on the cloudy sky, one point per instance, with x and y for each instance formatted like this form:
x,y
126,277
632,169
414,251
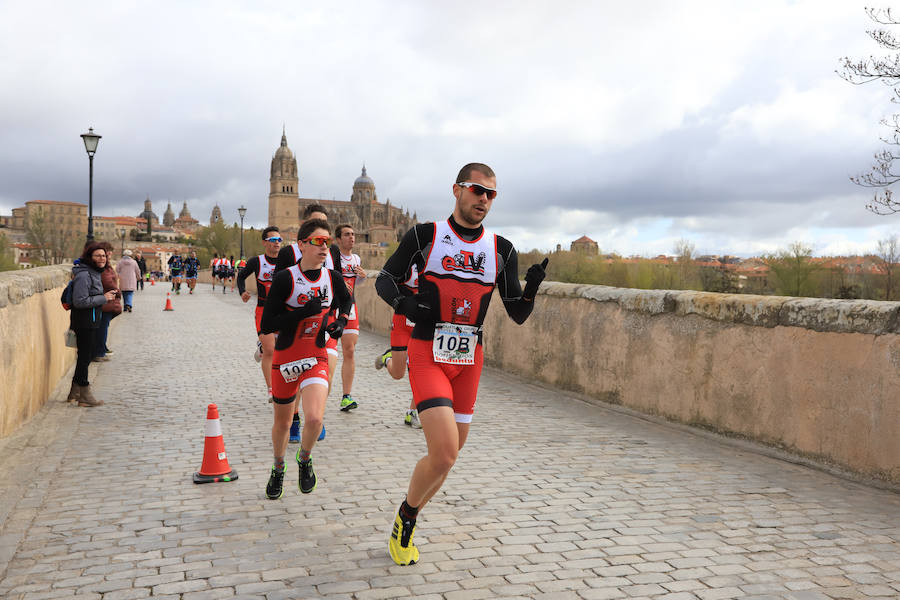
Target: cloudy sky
x,y
638,124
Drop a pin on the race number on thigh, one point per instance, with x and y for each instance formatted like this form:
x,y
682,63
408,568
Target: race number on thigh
x,y
293,370
454,344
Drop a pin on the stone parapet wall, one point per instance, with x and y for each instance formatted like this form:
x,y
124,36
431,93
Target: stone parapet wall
x,y
817,378
33,354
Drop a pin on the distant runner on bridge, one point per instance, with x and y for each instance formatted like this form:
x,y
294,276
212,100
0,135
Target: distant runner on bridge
x,y
394,358
176,265
351,269
262,267
191,268
459,264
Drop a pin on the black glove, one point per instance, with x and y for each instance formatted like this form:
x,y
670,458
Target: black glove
x,y
336,328
312,307
415,308
533,278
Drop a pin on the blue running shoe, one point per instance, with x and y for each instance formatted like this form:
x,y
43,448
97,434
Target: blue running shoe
x,y
295,431
322,435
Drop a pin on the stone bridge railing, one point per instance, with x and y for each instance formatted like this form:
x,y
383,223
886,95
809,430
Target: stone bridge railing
x,y
817,378
33,352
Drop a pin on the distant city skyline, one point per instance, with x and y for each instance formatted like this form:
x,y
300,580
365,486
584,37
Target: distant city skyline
x,y
637,126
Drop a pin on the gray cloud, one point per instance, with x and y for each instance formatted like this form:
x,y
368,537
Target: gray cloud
x,y
641,119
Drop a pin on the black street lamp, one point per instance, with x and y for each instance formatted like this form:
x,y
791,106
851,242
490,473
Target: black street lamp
x,y
242,211
91,140
122,231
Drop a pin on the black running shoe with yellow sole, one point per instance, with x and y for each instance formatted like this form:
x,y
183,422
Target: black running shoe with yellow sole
x,y
275,487
400,545
307,475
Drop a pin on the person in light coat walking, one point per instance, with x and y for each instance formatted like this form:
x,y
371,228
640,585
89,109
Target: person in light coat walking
x,y
129,275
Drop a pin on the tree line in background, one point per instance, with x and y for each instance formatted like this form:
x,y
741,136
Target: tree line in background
x,y
51,246
792,271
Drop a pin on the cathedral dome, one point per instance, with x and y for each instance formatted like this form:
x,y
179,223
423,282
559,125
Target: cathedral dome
x,y
364,180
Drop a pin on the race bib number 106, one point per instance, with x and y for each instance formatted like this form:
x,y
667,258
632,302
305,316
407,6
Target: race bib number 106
x,y
293,370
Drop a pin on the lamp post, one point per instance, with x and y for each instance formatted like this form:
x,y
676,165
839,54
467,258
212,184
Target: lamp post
x,y
91,140
122,231
242,211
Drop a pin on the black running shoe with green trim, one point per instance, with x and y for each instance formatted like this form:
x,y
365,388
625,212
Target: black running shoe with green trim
x,y
307,481
275,487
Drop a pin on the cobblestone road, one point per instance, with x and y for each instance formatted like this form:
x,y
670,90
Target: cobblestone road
x,y
551,498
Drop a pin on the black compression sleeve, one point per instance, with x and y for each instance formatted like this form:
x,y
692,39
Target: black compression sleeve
x,y
251,268
508,284
397,267
285,259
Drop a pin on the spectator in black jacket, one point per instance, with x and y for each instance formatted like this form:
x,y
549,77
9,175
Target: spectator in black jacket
x,y
142,265
87,298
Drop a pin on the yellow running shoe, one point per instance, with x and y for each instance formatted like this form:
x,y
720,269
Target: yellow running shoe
x,y
401,546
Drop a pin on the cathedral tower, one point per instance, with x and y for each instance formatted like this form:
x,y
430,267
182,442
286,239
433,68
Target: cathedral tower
x,y
284,183
216,215
169,216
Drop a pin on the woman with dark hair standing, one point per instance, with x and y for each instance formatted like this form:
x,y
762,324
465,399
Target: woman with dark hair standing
x,y
87,298
110,309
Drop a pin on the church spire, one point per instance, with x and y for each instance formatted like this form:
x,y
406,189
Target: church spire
x,y
283,137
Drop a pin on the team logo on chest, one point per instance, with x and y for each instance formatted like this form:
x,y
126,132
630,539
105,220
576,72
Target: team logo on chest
x,y
314,292
465,261
462,309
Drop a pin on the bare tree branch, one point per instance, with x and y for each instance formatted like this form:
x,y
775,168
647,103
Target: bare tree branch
x,y
887,71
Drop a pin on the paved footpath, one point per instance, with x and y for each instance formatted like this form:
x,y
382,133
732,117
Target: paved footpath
x,y
551,498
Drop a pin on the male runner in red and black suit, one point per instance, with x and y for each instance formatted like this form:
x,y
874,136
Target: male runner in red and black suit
x,y
262,267
459,265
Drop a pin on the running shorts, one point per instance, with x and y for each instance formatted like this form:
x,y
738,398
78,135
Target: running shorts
x,y
401,330
352,322
438,384
284,392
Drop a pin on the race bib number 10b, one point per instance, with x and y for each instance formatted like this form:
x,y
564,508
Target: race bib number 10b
x,y
454,344
293,370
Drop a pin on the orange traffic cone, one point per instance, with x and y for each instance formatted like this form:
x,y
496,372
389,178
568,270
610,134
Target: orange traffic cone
x,y
168,302
215,463
152,281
